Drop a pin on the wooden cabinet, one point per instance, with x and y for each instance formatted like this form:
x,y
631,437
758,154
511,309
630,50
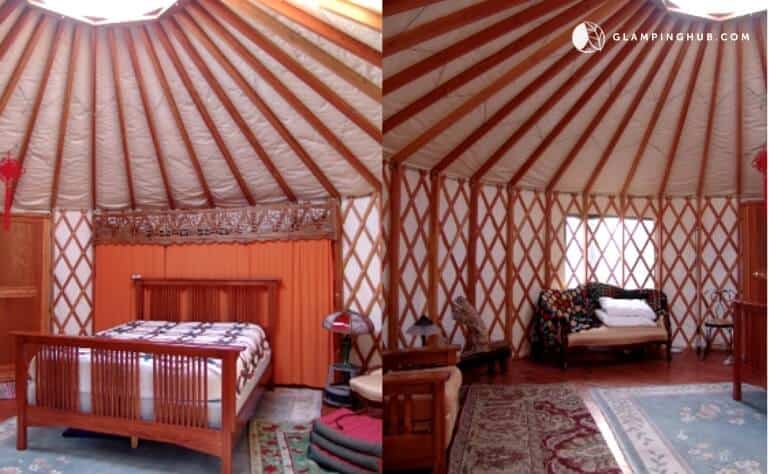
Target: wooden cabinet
x,y
753,222
25,282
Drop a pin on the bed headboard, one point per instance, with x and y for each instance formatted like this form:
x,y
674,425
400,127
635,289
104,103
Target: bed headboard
x,y
182,299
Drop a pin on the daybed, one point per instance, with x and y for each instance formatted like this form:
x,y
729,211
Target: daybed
x,y
565,320
189,371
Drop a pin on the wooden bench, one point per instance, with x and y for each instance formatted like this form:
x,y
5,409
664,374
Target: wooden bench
x,y
499,353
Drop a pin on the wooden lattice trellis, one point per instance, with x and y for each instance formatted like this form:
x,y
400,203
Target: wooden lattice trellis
x,y
491,250
562,273
640,230
362,271
72,300
604,240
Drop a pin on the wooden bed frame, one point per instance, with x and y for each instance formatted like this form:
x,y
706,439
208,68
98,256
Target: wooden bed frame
x,y
115,395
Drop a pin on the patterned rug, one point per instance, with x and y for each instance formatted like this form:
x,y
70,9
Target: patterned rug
x,y
280,448
528,429
688,428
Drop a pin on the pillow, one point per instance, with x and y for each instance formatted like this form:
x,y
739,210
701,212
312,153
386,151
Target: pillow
x,y
623,321
570,305
615,307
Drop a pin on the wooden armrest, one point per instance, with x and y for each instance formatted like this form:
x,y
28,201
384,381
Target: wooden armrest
x,y
422,358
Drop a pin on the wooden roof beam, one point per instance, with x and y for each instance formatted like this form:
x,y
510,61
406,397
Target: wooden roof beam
x,y
295,68
601,113
659,104
505,79
308,47
628,15
152,53
710,121
394,7
202,110
445,24
325,30
6,9
682,116
147,109
66,103
471,43
193,26
21,63
244,127
651,16
41,87
354,12
121,117
534,86
299,106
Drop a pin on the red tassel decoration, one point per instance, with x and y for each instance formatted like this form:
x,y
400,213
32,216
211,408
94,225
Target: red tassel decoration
x,y
10,172
760,163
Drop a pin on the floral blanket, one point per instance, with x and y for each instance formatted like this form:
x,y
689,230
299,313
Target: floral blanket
x,y
250,337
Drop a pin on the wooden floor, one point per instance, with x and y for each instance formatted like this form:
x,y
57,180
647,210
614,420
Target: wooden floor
x,y
607,370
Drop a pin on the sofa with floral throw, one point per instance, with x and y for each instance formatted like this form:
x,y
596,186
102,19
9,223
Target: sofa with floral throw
x,y
566,319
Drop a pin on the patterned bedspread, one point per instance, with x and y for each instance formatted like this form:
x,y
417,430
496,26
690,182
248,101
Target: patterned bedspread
x,y
247,335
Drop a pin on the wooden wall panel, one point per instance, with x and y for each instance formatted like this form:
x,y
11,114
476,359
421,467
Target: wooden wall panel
x,y
72,303
491,248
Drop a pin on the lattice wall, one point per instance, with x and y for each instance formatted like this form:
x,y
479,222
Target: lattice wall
x,y
617,241
73,273
362,271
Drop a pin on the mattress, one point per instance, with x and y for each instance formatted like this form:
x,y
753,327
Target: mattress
x,y
252,363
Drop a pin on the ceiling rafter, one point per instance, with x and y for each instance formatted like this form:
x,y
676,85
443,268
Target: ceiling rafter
x,y
161,75
10,86
394,7
661,102
213,130
534,85
94,61
471,43
297,104
630,111
121,118
649,16
325,30
445,24
441,91
710,121
295,39
624,15
682,115
77,31
760,35
739,119
213,83
295,68
7,8
570,156
268,113
41,87
147,112
354,12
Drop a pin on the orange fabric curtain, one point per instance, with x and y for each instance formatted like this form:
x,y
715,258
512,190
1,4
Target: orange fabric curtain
x,y
303,350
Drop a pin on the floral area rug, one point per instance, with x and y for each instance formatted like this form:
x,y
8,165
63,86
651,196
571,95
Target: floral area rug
x,y
528,429
280,448
688,428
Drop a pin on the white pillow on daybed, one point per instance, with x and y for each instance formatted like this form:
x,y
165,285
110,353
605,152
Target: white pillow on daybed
x,y
623,321
626,308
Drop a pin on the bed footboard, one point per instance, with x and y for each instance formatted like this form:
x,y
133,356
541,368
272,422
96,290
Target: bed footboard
x,y
179,390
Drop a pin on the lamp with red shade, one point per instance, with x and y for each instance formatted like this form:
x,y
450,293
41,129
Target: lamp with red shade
x,y
348,323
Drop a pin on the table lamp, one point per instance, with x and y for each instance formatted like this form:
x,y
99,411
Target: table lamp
x,y
423,327
348,323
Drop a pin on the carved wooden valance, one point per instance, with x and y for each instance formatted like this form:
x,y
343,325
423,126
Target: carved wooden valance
x,y
283,221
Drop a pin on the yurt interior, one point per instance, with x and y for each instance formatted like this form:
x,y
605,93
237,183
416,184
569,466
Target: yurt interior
x,y
574,197
191,240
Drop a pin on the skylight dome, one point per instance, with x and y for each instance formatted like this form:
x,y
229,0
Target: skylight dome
x,y
99,12
716,9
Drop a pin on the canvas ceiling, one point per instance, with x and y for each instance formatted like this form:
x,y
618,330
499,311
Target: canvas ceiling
x,y
441,57
316,121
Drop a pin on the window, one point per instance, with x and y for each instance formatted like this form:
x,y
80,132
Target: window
x,y
618,251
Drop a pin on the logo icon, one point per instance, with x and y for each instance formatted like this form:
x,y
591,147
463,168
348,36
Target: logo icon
x,y
588,37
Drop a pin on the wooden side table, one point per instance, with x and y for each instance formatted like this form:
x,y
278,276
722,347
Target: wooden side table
x,y
499,353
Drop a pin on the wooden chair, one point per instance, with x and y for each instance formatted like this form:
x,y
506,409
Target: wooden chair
x,y
420,388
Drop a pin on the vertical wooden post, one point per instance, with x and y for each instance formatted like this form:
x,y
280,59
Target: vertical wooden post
x,y
739,161
548,243
339,295
509,231
584,223
229,386
699,265
396,176
473,237
659,245
622,219
436,182
21,393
